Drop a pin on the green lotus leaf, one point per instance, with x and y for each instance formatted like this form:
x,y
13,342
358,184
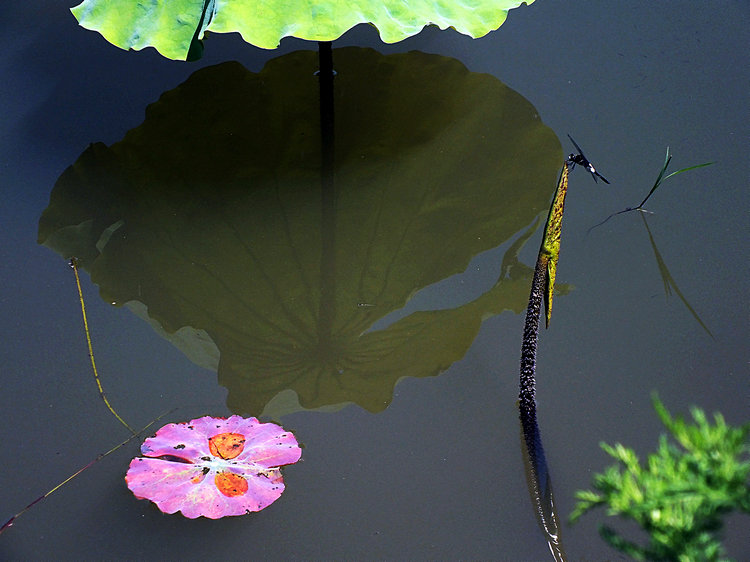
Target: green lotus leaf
x,y
173,26
210,215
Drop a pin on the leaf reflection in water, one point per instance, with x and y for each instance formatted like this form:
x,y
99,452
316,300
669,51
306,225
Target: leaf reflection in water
x,y
218,198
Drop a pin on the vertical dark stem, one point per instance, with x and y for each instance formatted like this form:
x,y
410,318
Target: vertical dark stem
x,y
526,396
537,473
325,75
542,286
326,312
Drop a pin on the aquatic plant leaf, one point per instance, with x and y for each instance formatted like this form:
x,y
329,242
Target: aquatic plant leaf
x,y
174,26
213,467
169,26
662,178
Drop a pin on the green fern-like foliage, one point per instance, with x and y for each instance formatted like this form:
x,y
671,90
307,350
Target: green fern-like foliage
x,y
681,495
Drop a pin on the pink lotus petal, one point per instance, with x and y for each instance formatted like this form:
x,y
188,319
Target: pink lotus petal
x,y
213,467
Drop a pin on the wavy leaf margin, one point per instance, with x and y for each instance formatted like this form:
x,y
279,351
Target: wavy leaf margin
x,y
173,26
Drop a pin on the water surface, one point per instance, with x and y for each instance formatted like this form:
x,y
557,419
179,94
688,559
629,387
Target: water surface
x,y
437,474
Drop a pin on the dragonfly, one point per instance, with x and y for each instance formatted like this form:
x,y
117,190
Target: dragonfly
x,y
581,160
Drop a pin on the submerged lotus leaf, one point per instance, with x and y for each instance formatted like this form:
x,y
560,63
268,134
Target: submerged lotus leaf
x,y
213,467
210,214
173,26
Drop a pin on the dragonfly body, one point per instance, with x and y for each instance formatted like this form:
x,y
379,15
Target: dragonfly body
x,y
581,160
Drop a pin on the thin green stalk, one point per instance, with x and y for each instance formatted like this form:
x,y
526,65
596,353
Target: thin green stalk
x,y
10,522
74,265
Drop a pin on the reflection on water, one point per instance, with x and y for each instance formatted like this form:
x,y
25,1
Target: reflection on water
x,y
669,282
208,217
539,484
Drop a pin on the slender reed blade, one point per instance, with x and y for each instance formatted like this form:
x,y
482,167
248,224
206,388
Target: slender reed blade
x,y
10,522
74,266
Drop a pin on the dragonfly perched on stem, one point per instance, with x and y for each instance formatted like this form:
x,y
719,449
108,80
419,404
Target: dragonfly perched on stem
x,y
550,249
581,160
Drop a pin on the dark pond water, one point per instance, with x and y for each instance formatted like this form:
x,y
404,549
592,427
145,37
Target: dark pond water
x,y
450,169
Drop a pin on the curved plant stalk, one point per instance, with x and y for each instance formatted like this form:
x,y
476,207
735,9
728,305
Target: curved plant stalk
x,y
10,522
74,266
542,288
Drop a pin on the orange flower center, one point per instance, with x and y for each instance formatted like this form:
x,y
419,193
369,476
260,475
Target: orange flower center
x,y
231,484
226,445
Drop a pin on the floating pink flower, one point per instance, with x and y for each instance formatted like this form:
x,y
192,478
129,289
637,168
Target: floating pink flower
x,y
213,467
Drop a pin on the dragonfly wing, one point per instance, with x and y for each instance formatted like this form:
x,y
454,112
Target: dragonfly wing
x,y
578,148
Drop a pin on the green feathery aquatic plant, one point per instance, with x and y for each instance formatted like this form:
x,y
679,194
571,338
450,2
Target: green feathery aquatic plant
x,y
682,493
